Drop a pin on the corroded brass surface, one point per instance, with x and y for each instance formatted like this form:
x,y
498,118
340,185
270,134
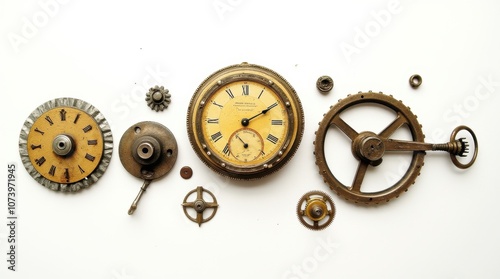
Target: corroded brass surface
x,y
415,81
200,205
324,84
157,153
148,150
369,148
315,210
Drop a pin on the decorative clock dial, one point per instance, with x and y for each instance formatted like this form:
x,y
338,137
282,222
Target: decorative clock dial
x,y
245,121
66,144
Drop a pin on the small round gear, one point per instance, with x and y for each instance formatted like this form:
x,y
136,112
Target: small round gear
x,y
158,98
368,147
316,210
200,205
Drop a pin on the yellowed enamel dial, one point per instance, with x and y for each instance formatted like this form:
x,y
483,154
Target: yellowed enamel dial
x,y
66,144
245,121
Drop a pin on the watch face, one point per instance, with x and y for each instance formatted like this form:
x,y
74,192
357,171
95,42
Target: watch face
x,y
245,121
66,144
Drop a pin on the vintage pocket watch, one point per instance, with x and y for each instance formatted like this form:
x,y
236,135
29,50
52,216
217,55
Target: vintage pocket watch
x,y
245,121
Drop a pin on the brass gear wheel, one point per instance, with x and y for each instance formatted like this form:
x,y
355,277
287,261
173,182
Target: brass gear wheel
x,y
315,210
158,98
368,148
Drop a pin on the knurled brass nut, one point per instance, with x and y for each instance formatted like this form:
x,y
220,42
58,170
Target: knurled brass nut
x,y
324,84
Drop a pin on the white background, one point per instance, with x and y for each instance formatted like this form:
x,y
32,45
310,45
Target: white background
x,y
109,53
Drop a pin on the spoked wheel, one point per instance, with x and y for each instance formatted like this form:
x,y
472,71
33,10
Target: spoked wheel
x,y
369,148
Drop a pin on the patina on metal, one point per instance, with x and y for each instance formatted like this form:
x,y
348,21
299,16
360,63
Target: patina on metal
x,y
158,98
148,150
324,84
369,148
186,172
415,81
200,205
315,210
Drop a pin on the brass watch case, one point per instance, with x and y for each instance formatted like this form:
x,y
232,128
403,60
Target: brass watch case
x,y
252,73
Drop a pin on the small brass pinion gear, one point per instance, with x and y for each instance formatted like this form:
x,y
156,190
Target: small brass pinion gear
x,y
368,148
158,98
315,210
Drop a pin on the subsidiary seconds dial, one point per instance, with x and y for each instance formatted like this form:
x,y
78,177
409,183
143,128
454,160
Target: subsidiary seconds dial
x,y
245,121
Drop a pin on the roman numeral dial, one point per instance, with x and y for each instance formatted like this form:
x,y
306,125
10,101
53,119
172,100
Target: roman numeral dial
x,y
245,111
65,145
244,121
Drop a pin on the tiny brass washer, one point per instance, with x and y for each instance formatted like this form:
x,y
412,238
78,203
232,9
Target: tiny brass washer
x,y
186,172
324,84
415,81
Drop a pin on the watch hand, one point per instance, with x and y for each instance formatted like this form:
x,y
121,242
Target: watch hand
x,y
245,145
246,121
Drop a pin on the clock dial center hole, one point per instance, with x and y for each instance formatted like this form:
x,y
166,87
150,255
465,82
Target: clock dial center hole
x,y
62,145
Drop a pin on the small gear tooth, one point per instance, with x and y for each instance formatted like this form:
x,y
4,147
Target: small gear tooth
x,y
369,91
331,107
359,92
391,96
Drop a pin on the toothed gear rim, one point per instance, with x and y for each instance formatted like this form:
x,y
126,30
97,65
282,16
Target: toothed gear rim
x,y
103,126
353,192
158,98
324,202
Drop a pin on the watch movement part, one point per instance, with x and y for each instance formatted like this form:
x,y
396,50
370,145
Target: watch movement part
x,y
369,148
415,81
200,205
66,144
186,172
324,84
158,98
148,150
316,210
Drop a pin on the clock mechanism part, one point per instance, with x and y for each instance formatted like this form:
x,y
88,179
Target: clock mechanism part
x,y
415,81
324,84
369,148
316,210
158,98
245,121
148,150
66,144
186,172
199,204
